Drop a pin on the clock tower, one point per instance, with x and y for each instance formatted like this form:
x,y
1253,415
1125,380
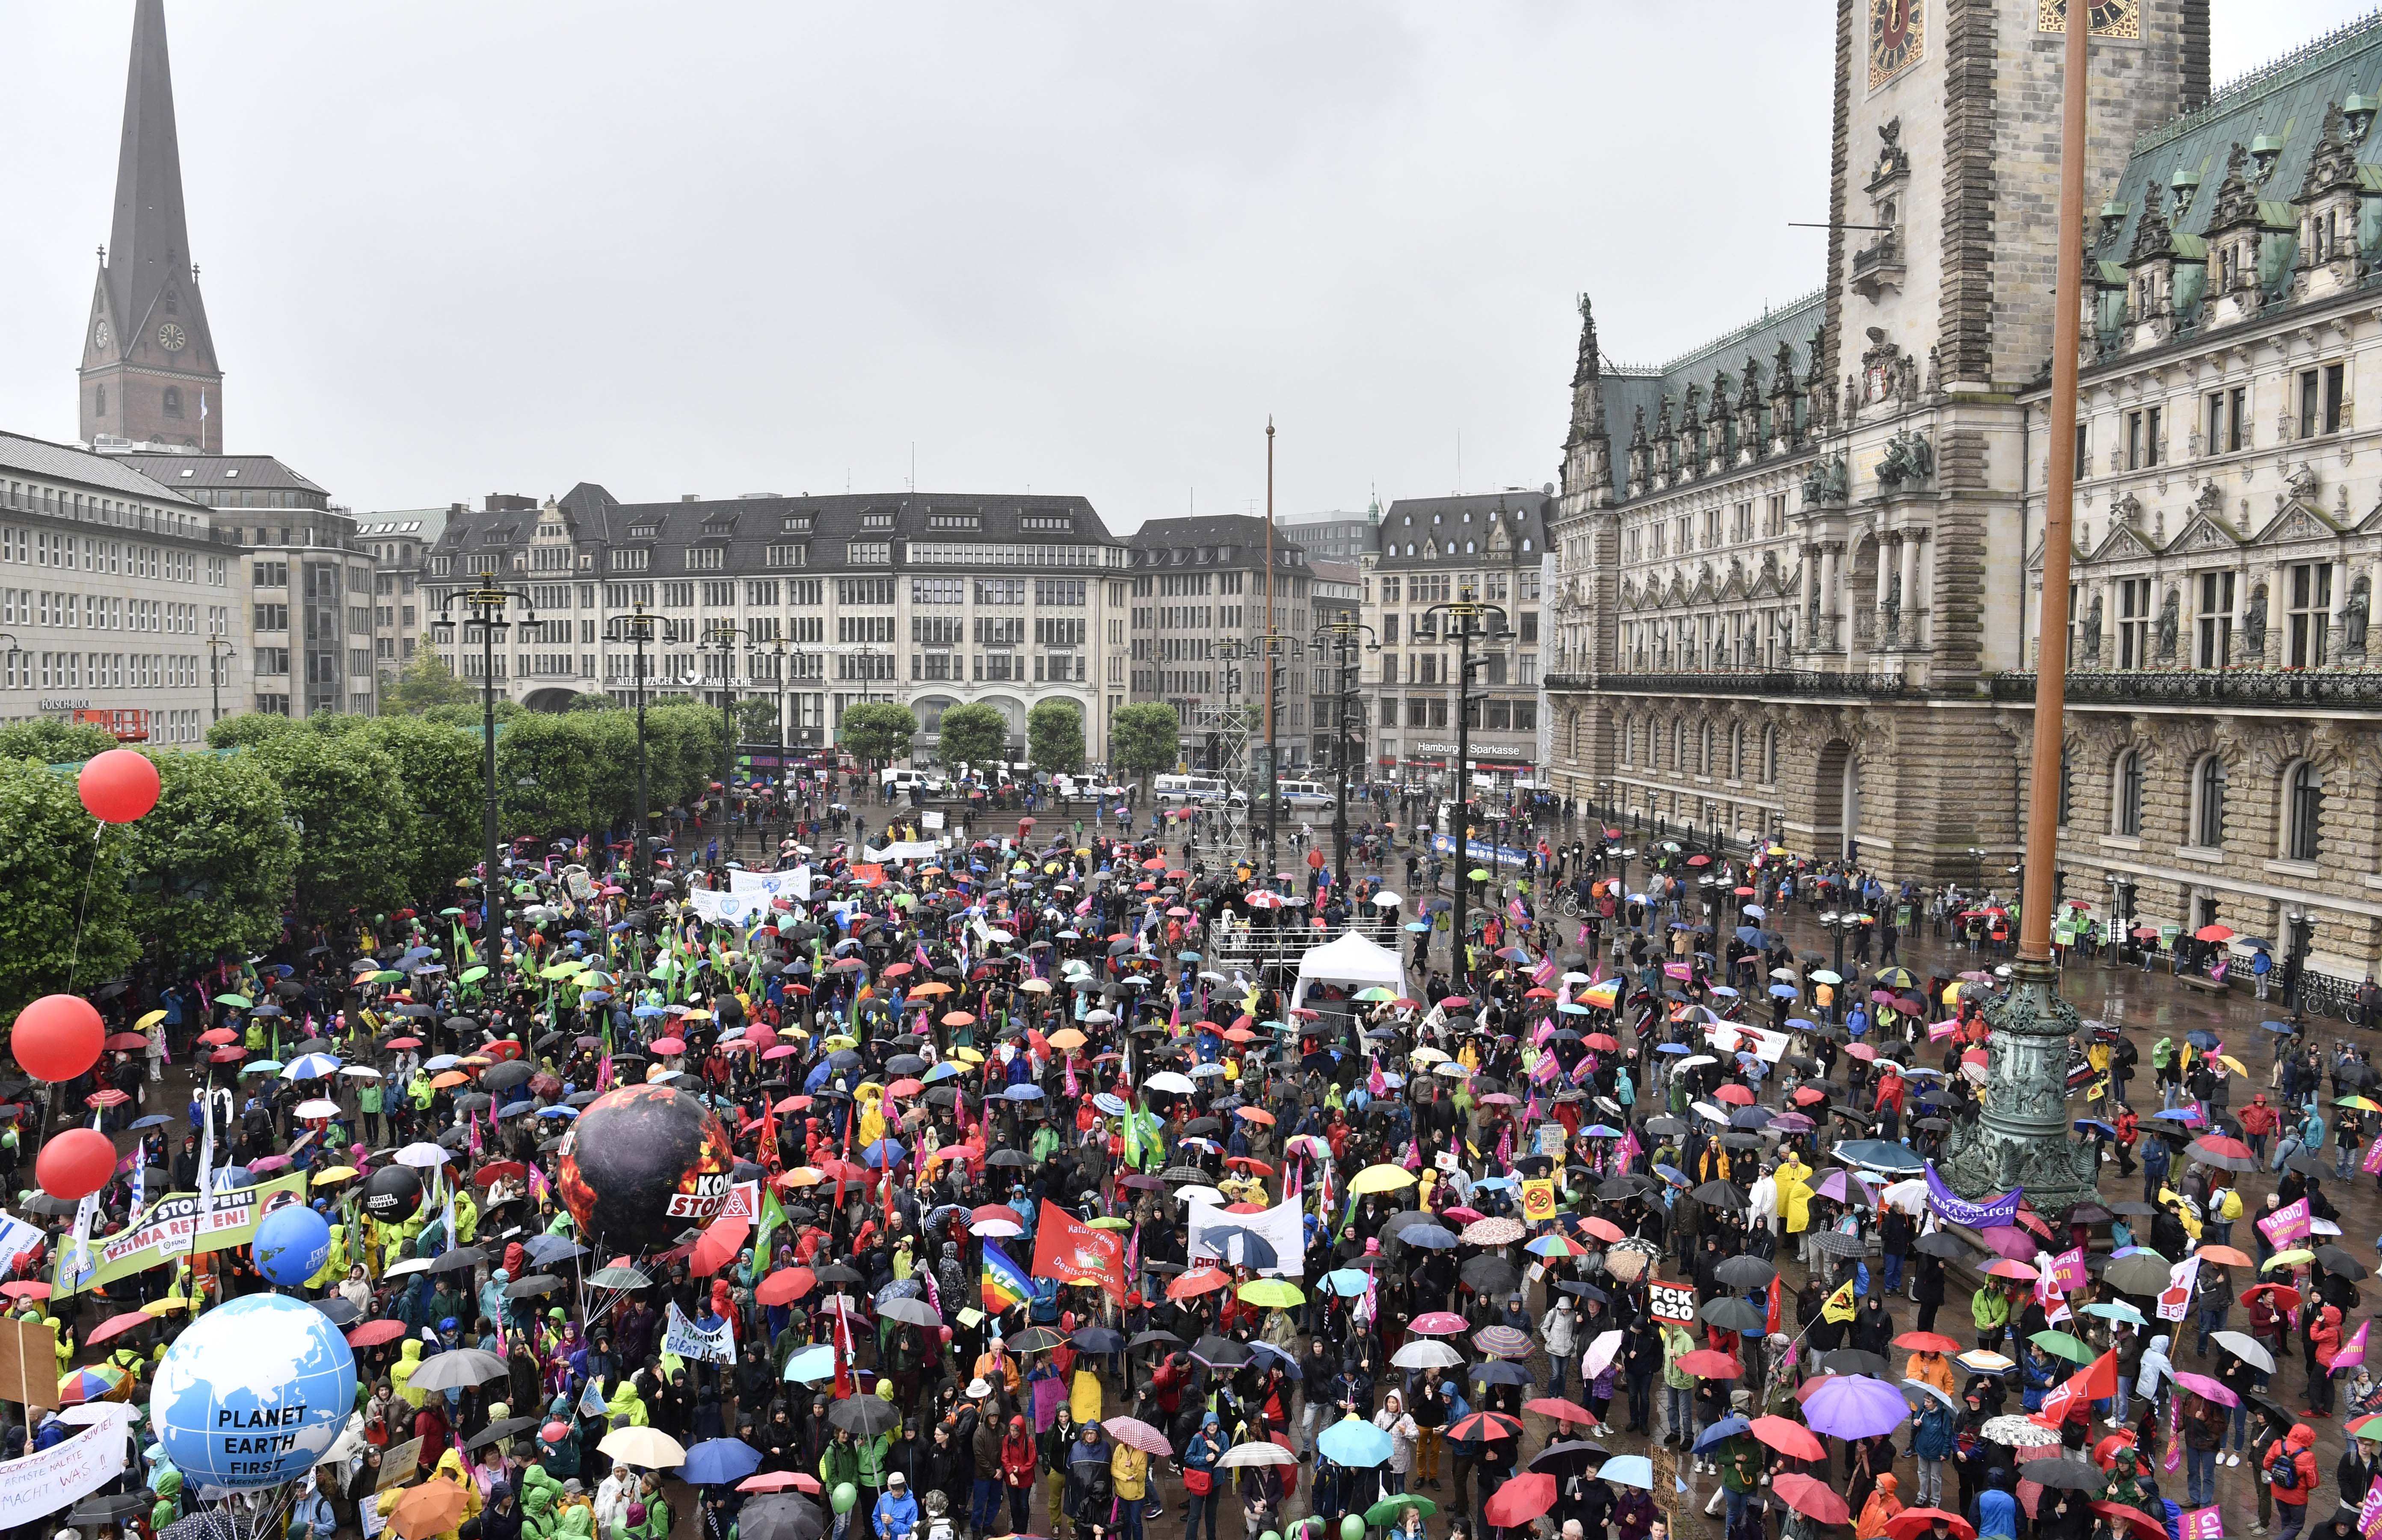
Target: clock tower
x,y
1945,186
149,370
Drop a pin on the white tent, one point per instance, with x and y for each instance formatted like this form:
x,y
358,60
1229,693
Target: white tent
x,y
1353,959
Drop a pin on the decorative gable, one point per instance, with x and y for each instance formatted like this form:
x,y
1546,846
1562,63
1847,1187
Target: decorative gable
x,y
2122,545
2204,533
2297,520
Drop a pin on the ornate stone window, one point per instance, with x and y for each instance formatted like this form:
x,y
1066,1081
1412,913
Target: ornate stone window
x,y
2208,803
2303,812
2126,794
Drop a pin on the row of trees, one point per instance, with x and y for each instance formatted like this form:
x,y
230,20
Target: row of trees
x,y
312,820
1143,739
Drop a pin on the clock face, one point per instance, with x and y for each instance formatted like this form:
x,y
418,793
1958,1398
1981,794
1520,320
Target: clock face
x,y
170,337
99,336
1898,38
2121,18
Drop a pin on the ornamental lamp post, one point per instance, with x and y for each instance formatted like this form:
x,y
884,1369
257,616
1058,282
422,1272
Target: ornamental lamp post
x,y
1835,924
637,627
484,607
1467,622
1344,640
219,651
2298,926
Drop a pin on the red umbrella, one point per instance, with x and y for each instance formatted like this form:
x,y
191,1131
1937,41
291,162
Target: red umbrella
x,y
1561,1411
1736,1095
1912,1523
779,1480
1199,1280
1927,1342
2134,1518
372,1333
1706,1363
722,1239
1812,1499
1789,1437
785,1286
226,1055
218,1037
117,1325
126,1042
1489,1425
1522,1498
1603,1228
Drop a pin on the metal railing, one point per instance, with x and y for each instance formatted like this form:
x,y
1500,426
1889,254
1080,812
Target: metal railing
x,y
2208,686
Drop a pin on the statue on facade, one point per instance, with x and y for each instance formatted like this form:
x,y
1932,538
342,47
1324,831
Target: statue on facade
x,y
1909,457
2211,500
2300,486
2169,621
2353,614
1935,371
2089,643
2253,629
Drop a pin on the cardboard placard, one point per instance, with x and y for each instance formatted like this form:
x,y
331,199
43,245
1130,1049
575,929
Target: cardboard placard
x,y
28,1363
398,1463
1671,1302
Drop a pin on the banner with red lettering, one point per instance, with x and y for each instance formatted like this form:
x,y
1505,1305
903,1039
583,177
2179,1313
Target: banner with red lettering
x,y
1067,1248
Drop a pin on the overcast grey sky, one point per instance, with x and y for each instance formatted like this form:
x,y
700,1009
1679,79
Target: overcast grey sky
x,y
452,247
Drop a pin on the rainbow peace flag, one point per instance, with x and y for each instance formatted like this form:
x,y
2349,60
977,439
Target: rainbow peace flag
x,y
1006,1283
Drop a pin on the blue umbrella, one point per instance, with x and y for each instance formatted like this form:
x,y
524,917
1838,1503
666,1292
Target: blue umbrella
x,y
1347,1282
718,1461
1673,1048
557,1112
1749,935
1673,1175
1353,1441
1800,1025
649,1010
2275,1026
1783,991
547,1250
1750,1117
2202,1038
1430,1236
1110,1104
2095,1125
884,1152
1629,1470
1726,1428
1024,1092
1601,1130
1723,990
1288,1361
1879,1154
154,1120
813,1363
444,1061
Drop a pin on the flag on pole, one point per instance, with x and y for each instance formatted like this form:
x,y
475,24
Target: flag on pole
x,y
1005,1284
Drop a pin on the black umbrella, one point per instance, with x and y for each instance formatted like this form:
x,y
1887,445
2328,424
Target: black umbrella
x,y
1745,1272
532,1286
460,1258
1836,1242
867,1416
1490,1275
1570,1457
1854,1361
1155,1339
505,1075
1219,1352
339,1311
2334,1260
1733,1313
1721,1194
836,1272
1943,1243
497,1432
2067,1475
788,1515
108,1507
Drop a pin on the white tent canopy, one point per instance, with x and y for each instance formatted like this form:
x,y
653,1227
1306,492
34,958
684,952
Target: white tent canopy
x,y
1352,959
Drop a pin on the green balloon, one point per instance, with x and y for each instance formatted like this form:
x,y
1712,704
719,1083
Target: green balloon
x,y
1270,1534
845,1495
1353,1527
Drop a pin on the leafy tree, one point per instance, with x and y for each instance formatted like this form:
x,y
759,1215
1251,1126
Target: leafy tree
x,y
250,728
471,713
353,816
1054,737
441,768
591,700
974,734
1145,739
682,751
211,865
64,920
756,719
549,752
424,681
53,742
877,731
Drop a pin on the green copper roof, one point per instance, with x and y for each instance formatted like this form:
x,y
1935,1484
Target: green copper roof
x,y
1628,387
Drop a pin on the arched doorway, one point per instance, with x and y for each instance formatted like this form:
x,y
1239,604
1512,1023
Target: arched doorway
x,y
1835,800
550,697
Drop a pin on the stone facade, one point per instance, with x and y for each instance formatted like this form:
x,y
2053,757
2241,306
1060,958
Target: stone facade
x,y
1851,673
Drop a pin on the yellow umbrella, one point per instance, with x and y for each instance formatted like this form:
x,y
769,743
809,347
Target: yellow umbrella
x,y
2288,1259
2231,1063
804,1176
1951,993
967,1056
165,1306
1278,1293
149,1020
334,1173
1035,986
1380,1178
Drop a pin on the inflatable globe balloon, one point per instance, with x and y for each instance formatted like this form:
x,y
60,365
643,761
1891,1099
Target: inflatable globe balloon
x,y
644,1163
292,1245
252,1393
392,1194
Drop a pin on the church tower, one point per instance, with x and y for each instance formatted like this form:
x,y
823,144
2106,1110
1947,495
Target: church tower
x,y
149,370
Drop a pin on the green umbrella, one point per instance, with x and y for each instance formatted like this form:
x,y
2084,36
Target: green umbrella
x,y
241,1001
1385,1514
2062,1345
1276,1293
472,974
389,975
1480,874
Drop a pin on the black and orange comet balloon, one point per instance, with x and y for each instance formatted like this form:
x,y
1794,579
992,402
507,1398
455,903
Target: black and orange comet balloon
x,y
643,1164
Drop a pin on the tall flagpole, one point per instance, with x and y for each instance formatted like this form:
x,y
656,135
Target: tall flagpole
x,y
2021,1138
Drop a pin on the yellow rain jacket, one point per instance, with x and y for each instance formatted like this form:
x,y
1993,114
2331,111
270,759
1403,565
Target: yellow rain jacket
x,y
1795,1194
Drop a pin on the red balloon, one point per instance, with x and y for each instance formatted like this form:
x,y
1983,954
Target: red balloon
x,y
57,1037
118,786
75,1164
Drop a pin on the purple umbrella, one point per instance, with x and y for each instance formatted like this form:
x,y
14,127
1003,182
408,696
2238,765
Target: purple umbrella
x,y
2208,1389
1792,1122
1855,1406
2010,1241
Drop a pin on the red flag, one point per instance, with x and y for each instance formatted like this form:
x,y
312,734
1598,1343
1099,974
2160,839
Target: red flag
x,y
1772,1325
1067,1248
844,1383
2096,1381
766,1149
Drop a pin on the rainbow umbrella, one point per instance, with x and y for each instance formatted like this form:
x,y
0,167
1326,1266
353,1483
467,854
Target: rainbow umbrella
x,y
99,1383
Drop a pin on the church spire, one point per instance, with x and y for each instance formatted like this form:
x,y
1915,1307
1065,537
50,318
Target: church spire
x,y
149,360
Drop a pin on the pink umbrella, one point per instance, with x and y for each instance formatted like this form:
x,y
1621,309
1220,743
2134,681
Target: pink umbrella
x,y
1437,1322
668,1045
2010,1241
2208,1389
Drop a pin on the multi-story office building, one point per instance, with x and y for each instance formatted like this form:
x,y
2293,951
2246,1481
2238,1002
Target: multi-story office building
x,y
1335,536
121,602
1492,548
932,600
398,542
310,618
1198,582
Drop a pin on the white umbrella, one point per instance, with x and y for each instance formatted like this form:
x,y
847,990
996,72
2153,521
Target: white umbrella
x,y
410,1264
427,1156
318,1108
1600,1353
1426,1354
1717,1113
1909,1196
1262,1453
1184,1194
361,1071
1386,899
1169,1080
1693,1061
998,1229
648,1448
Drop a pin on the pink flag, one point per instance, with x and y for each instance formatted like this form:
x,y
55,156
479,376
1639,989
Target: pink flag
x,y
2201,1523
2353,1352
2371,1165
1376,1083
2287,1223
604,1072
2172,1460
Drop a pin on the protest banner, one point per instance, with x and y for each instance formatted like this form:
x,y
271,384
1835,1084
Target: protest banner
x,y
41,1485
685,1339
1280,1229
399,1464
2287,1225
729,908
1538,1200
1072,1252
180,1225
1671,1302
29,1363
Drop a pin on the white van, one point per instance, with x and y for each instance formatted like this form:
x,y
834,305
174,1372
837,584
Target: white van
x,y
1207,790
1305,796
